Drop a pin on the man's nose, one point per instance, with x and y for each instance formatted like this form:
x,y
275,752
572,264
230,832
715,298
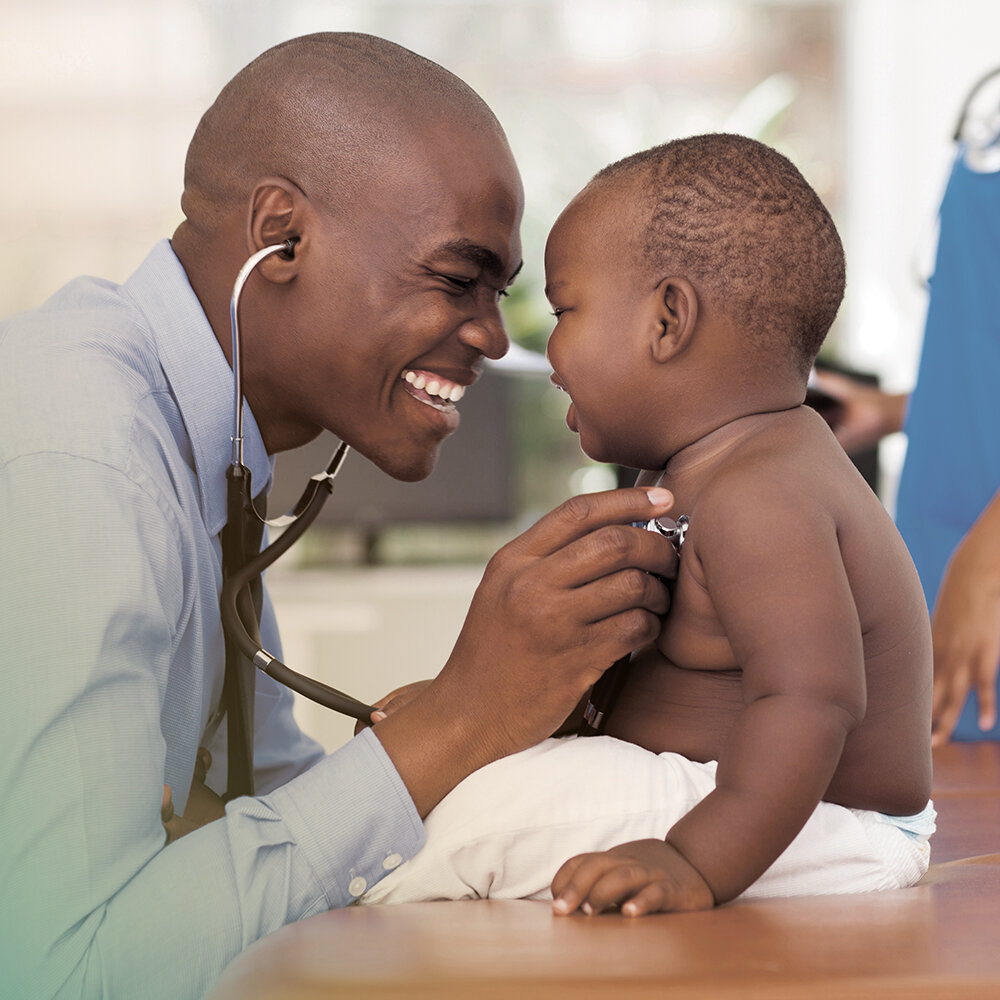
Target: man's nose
x,y
486,333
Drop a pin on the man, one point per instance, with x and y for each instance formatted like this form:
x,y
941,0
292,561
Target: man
x,y
397,185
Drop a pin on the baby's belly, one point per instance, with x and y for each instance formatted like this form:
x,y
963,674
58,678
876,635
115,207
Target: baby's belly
x,y
668,708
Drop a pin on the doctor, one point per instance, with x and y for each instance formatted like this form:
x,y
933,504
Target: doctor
x,y
399,187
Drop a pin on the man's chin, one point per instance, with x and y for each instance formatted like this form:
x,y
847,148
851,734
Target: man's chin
x,y
409,467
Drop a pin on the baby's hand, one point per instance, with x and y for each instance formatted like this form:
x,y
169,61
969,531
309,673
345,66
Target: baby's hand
x,y
644,876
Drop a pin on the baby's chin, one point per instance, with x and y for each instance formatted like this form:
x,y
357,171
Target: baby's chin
x,y
628,459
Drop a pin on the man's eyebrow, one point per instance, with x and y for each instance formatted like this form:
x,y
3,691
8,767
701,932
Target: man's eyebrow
x,y
483,257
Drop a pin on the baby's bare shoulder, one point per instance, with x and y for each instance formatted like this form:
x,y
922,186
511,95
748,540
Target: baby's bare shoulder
x,y
791,464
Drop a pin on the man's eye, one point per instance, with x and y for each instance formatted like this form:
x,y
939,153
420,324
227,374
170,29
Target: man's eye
x,y
462,284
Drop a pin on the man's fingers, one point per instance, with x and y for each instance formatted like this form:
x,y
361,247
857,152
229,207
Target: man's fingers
x,y
167,805
611,576
625,546
621,591
608,550
202,764
606,641
581,515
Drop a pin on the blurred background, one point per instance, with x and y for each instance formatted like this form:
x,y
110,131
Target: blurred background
x,y
99,98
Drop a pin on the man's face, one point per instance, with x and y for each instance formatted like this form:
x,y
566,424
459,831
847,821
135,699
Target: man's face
x,y
397,302
598,349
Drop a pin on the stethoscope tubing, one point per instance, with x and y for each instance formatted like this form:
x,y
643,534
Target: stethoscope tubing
x,y
294,525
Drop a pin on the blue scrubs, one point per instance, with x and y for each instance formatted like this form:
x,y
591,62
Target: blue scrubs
x,y
952,467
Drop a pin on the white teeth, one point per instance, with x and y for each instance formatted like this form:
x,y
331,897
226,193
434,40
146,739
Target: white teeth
x,y
447,392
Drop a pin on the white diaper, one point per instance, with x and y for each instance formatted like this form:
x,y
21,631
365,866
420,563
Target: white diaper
x,y
504,832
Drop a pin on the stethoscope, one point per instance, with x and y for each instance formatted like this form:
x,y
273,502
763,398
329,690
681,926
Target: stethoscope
x,y
241,568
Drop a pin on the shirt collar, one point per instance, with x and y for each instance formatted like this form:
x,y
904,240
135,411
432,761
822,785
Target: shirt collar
x,y
200,379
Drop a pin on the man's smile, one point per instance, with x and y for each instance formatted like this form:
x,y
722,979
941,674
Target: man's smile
x,y
433,389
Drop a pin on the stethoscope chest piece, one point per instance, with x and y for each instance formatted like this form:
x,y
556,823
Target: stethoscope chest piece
x,y
674,531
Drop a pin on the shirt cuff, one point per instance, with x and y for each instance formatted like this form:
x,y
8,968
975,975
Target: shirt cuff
x,y
352,817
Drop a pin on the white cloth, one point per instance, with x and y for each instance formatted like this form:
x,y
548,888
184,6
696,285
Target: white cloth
x,y
504,832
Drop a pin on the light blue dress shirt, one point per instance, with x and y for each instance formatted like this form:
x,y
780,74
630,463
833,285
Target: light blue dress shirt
x,y
115,426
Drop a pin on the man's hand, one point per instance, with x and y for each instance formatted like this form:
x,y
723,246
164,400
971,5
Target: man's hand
x,y
966,627
203,805
392,702
555,608
644,876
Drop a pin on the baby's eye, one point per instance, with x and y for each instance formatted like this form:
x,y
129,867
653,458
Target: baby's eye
x,y
557,311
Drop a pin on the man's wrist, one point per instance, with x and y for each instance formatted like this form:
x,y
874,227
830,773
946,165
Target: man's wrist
x,y
434,745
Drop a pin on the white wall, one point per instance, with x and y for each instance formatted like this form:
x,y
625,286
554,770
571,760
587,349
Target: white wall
x,y
98,100
908,67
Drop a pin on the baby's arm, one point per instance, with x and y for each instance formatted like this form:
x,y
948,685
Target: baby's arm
x,y
773,568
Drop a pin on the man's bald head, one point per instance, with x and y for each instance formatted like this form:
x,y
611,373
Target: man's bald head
x,y
325,111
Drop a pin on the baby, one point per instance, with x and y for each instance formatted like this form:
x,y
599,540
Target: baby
x,y
775,739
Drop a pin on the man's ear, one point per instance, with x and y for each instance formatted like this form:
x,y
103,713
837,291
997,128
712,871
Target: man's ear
x,y
676,317
277,212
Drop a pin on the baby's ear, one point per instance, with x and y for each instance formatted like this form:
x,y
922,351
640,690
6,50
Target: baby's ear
x,y
676,312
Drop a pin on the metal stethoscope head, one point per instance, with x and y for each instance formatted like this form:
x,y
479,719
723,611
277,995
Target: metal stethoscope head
x,y
238,569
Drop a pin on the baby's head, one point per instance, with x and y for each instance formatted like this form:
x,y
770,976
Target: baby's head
x,y
717,236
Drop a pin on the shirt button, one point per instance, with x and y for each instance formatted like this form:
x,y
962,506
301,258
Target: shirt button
x,y
392,861
357,886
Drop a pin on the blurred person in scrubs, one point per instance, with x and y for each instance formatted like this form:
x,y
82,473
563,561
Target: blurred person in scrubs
x,y
948,507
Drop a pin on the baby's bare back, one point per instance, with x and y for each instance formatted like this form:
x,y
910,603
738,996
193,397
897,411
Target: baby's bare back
x,y
798,524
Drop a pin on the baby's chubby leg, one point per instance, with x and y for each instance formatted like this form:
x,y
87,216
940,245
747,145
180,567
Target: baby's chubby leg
x,y
506,829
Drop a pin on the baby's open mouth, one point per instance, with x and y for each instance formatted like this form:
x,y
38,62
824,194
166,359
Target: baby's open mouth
x,y
432,389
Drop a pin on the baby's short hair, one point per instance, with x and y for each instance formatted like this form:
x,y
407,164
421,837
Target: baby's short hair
x,y
738,219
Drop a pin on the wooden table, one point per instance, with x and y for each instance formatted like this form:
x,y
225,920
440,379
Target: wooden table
x,y
940,939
